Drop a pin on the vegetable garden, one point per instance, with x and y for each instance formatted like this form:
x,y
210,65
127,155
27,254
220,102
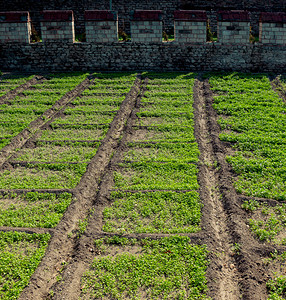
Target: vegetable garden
x,y
142,186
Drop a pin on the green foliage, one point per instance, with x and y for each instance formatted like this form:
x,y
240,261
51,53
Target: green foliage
x,y
269,221
163,152
255,125
42,176
149,176
20,254
277,287
169,268
157,212
33,209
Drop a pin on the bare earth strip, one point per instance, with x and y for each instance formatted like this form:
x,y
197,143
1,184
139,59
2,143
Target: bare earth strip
x,y
222,273
252,279
61,245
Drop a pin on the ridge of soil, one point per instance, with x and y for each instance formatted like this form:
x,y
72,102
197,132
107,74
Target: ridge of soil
x,y
222,273
252,279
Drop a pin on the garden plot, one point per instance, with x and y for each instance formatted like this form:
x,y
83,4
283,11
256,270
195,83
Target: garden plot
x,y
153,212
43,166
10,82
162,152
256,126
155,191
52,153
33,209
169,268
20,254
158,158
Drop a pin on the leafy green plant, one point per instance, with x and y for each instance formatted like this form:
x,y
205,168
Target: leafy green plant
x,y
156,212
168,268
20,254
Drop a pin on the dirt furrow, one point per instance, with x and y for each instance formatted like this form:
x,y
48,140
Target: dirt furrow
x,y
19,140
247,252
9,96
64,243
222,273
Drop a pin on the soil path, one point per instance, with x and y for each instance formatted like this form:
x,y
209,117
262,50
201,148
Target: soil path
x,y
222,272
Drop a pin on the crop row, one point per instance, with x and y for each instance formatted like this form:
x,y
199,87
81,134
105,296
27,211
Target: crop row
x,y
158,166
252,120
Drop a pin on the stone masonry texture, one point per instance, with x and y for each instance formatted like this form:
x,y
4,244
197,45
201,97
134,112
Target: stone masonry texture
x,y
15,27
123,7
138,56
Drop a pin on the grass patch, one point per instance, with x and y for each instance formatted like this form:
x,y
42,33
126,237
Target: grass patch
x,y
158,212
169,268
164,152
163,134
149,176
73,134
33,209
267,222
20,254
51,176
54,153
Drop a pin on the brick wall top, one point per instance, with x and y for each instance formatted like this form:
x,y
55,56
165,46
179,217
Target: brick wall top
x,y
146,15
15,17
234,15
278,17
100,15
190,15
57,16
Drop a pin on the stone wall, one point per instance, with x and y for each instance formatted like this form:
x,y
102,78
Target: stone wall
x,y
272,28
136,56
190,26
123,7
58,25
101,26
15,26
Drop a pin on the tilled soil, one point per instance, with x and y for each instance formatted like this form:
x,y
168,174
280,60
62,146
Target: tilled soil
x,y
232,273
